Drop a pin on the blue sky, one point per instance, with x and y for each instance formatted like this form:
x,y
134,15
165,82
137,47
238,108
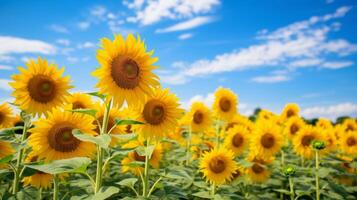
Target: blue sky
x,y
268,52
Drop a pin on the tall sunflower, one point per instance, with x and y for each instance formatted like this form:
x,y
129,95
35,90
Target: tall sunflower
x,y
160,114
258,172
5,150
237,139
225,104
199,117
125,71
290,110
302,140
6,118
266,140
292,126
40,87
80,101
52,137
39,179
218,166
348,143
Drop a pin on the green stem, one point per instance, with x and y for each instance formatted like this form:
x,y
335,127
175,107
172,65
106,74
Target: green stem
x,y
100,151
291,184
55,187
317,175
154,186
40,194
146,171
188,146
20,156
213,190
282,167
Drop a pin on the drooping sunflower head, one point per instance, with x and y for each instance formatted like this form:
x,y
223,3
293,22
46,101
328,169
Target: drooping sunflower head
x,y
40,87
348,143
290,110
237,139
303,139
125,71
79,101
324,123
52,137
199,117
266,140
218,166
225,104
39,179
6,117
292,126
160,114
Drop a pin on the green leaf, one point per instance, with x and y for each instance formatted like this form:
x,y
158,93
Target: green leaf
x,y
202,194
126,122
282,191
10,131
136,164
101,140
105,192
143,151
97,94
128,182
126,137
6,159
72,165
90,112
324,172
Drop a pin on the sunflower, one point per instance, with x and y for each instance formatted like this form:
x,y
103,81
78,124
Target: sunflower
x,y
239,120
348,143
127,113
40,87
225,104
258,172
237,139
302,140
6,118
125,71
199,117
350,125
331,140
290,110
266,115
324,123
5,150
266,140
39,179
135,157
160,114
178,135
52,137
218,166
80,101
292,126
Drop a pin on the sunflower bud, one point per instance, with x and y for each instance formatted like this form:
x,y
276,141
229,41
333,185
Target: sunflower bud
x,y
318,145
289,171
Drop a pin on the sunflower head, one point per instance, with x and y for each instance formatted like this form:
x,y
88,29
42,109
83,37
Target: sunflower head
x,y
292,126
225,104
237,139
40,87
348,143
304,138
79,101
5,150
160,114
6,117
125,71
39,179
324,123
52,137
218,166
349,125
290,110
199,117
239,120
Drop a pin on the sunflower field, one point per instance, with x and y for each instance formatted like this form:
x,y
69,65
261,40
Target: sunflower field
x,y
130,139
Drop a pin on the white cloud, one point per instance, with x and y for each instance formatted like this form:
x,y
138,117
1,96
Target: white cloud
x,y
185,36
4,84
84,25
98,11
72,59
149,12
86,45
186,25
15,45
25,59
6,58
299,44
6,67
64,42
330,1
331,111
59,28
270,79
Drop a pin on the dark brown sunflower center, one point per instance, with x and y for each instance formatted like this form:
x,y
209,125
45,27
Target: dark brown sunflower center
x,y
230,125
154,112
2,117
306,140
138,157
128,129
61,139
217,165
198,117
268,140
290,113
237,140
225,104
350,127
294,129
125,72
78,105
42,88
257,168
351,141
236,174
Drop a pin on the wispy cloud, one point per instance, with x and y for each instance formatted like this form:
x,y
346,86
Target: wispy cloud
x,y
185,36
86,45
150,12
299,44
6,67
186,25
59,28
84,25
4,84
270,79
331,111
64,42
